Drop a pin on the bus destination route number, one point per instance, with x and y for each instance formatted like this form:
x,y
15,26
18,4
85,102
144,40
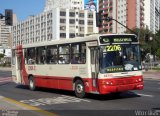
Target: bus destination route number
x,y
112,48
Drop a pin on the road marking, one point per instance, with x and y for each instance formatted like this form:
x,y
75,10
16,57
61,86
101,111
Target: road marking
x,y
22,105
145,95
63,99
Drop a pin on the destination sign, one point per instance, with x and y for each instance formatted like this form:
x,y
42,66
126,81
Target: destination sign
x,y
118,39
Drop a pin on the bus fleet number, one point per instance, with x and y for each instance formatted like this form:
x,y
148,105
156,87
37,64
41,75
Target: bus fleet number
x,y
113,48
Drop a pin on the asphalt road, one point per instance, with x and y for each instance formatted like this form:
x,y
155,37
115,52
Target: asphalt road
x,y
64,103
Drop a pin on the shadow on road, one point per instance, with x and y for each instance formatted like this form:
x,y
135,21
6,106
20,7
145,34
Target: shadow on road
x,y
112,96
5,83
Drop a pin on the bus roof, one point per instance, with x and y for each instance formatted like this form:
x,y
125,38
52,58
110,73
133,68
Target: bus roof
x,y
72,40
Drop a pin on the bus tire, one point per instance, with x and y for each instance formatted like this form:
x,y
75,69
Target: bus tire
x,y
79,89
32,83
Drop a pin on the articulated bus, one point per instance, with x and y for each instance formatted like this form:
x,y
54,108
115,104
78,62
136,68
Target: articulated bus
x,y
98,64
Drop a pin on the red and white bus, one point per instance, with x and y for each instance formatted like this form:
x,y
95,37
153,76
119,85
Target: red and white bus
x,y
99,64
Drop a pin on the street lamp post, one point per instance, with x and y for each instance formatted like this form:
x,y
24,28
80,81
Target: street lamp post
x,y
151,56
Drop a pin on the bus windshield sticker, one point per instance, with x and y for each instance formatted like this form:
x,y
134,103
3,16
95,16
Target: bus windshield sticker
x,y
112,48
115,69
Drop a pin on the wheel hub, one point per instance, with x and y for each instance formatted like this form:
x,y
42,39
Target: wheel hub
x,y
79,88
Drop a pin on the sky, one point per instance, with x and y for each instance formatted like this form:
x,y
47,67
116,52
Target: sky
x,y
23,8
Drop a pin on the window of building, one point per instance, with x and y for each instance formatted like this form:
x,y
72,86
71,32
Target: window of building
x,y
72,14
81,21
71,35
81,14
62,20
90,29
90,22
90,15
62,13
62,35
72,21
81,28
63,28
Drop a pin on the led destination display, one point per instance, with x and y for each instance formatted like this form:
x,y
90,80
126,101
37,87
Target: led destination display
x,y
118,39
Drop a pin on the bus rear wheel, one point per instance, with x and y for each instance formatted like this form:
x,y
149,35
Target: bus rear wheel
x,y
79,89
32,83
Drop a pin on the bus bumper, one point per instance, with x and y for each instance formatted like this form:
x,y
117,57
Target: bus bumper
x,y
104,88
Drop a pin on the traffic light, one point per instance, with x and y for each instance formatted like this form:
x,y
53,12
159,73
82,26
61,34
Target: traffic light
x,y
108,19
99,19
9,17
146,38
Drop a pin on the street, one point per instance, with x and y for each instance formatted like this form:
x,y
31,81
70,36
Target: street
x,y
65,103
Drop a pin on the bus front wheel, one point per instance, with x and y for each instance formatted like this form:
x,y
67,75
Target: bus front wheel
x,y
79,89
32,83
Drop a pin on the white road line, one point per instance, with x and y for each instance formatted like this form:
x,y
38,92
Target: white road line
x,y
145,95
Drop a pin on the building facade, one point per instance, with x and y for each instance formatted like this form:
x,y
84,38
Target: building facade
x,y
130,13
152,15
54,24
65,4
5,32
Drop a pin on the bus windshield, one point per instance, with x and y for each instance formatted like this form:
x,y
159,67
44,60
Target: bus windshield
x,y
120,58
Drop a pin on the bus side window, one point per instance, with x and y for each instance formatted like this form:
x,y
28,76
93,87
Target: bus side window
x,y
64,54
41,55
31,56
51,55
78,53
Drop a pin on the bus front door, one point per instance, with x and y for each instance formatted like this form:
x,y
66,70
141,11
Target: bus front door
x,y
18,69
94,67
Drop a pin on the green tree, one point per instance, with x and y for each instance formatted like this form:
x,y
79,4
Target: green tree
x,y
144,46
1,56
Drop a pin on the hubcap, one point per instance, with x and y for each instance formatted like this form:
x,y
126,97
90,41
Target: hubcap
x,y
79,88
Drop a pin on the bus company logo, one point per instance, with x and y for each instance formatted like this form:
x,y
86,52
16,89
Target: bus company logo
x,y
105,40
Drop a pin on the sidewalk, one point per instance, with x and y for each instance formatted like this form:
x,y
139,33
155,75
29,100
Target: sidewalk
x,y
10,107
152,74
6,68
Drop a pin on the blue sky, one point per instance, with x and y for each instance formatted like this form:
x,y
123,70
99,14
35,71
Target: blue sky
x,y
23,8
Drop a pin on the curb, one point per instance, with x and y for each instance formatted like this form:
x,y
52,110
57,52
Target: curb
x,y
5,68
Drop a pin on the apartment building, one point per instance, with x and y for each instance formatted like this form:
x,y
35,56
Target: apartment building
x,y
4,33
152,15
65,4
130,13
54,24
